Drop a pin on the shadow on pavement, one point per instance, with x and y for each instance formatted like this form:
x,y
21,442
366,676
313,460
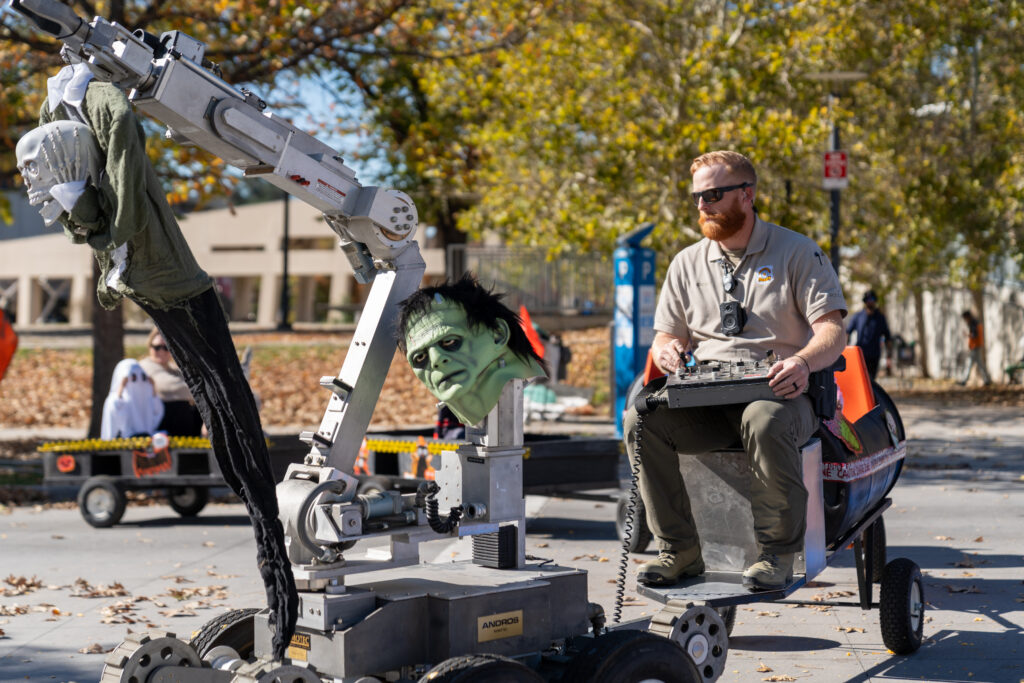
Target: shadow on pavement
x,y
579,529
201,521
777,643
951,655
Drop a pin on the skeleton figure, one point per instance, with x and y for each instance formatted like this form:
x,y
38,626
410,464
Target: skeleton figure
x,y
465,345
58,160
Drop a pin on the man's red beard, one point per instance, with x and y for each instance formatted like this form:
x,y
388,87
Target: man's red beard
x,y
722,226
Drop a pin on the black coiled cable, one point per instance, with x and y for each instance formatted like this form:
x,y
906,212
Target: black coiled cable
x,y
441,526
627,527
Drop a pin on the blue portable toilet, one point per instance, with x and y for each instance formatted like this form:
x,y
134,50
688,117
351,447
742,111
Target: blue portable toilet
x,y
635,301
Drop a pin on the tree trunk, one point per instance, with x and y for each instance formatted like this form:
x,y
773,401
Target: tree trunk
x,y
922,332
107,351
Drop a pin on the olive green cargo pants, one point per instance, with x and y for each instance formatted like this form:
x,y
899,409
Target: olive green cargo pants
x,y
771,432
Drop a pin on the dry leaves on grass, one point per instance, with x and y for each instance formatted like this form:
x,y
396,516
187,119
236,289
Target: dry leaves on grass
x,y
286,374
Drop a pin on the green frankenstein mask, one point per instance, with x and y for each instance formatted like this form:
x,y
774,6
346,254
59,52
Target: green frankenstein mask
x,y
464,359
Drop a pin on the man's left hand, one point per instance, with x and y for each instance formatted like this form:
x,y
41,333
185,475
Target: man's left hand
x,y
789,377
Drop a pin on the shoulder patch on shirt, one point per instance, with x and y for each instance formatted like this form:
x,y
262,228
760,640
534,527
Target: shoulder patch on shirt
x,y
764,274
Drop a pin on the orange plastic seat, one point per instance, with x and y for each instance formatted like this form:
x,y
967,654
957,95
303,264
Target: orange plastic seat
x,y
651,371
855,385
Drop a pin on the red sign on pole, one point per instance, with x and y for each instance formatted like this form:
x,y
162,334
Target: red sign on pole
x,y
835,170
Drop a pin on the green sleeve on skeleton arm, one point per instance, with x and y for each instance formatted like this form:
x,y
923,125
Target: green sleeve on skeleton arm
x,y
129,207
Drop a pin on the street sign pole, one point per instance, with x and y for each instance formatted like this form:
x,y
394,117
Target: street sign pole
x,y
834,223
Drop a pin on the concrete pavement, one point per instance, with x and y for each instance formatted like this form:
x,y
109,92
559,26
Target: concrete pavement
x,y
957,512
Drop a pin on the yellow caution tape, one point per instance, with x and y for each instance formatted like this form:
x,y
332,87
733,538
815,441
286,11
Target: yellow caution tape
x,y
409,446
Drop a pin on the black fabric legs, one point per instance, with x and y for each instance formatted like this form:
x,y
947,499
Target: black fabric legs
x,y
198,338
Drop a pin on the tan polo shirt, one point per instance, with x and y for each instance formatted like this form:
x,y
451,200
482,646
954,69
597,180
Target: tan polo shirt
x,y
784,281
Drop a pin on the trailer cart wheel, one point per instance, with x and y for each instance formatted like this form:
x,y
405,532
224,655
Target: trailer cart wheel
x,y
101,502
641,535
728,615
631,657
482,668
235,629
187,501
901,606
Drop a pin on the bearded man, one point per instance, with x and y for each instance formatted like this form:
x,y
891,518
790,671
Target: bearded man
x,y
749,289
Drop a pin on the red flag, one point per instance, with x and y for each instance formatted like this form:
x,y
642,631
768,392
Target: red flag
x,y
531,334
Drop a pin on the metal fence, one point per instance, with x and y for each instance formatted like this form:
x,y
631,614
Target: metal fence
x,y
581,284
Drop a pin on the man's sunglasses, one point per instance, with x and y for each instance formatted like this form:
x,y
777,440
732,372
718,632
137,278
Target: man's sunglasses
x,y
716,193
158,347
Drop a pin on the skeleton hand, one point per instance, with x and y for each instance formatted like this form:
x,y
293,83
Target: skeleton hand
x,y
57,161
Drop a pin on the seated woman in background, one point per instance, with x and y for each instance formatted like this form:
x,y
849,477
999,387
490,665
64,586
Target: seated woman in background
x,y
132,407
181,417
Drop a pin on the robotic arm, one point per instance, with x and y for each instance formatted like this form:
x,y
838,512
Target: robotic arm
x,y
169,79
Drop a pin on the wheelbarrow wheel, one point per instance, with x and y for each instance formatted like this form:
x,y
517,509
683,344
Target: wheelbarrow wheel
x,y
901,606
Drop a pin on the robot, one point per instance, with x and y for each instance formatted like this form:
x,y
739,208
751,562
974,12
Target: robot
x,y
376,615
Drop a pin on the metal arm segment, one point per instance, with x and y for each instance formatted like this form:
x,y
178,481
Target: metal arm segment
x,y
167,79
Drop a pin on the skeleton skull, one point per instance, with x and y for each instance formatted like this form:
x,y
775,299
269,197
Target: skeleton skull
x,y
57,160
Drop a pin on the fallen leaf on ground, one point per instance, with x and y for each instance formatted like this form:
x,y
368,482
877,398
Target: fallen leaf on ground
x,y
176,578
943,538
83,589
850,629
94,649
979,539
20,585
779,678
763,669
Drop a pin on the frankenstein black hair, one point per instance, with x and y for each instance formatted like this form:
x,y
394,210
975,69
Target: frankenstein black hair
x,y
482,306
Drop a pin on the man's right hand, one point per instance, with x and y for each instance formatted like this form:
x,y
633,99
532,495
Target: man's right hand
x,y
670,353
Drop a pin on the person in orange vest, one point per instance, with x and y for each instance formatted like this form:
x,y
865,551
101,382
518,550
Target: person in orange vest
x,y
975,349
